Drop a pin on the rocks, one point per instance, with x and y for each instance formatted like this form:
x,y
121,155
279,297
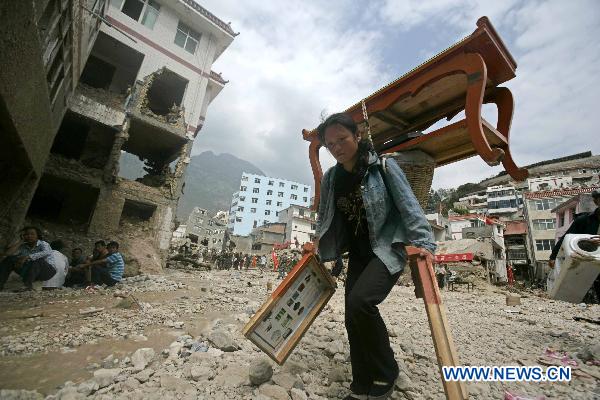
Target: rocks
x,y
88,387
337,374
90,310
10,394
170,382
222,341
105,377
260,372
273,391
288,381
513,300
201,373
144,376
141,358
298,394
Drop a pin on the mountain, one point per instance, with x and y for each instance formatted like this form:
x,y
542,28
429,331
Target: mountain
x,y
211,180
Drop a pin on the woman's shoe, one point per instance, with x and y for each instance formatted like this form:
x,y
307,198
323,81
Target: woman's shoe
x,y
381,390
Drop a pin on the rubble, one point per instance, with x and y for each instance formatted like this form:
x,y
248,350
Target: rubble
x,y
196,363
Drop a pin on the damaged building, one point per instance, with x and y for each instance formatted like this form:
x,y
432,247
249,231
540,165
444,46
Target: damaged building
x,y
44,47
117,161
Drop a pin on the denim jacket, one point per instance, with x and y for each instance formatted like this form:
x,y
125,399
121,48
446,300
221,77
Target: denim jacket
x,y
394,216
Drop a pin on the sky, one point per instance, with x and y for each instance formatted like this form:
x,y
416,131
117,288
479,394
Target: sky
x,y
295,61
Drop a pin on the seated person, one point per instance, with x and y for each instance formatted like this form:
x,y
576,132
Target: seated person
x,y
60,262
28,257
76,257
112,272
79,274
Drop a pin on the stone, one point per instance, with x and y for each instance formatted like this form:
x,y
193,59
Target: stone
x,y
288,381
298,394
222,341
170,382
131,383
273,391
403,383
141,358
337,374
201,373
260,372
88,387
295,367
175,349
233,376
106,377
513,300
144,376
16,394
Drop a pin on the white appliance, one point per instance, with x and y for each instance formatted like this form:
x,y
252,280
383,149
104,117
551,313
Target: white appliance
x,y
577,266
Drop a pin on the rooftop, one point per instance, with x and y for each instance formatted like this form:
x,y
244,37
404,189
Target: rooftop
x,y
559,192
210,16
515,228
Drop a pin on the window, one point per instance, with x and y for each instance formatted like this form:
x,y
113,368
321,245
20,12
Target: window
x,y
148,9
305,199
271,183
255,223
269,202
277,213
255,200
242,188
543,224
256,180
279,194
281,184
240,208
150,14
187,38
244,178
544,244
293,197
255,190
243,198
544,204
267,212
305,190
313,226
294,187
561,219
279,204
210,221
253,210
269,192
238,219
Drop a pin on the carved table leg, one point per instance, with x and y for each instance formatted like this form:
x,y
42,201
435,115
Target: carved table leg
x,y
315,163
503,99
476,80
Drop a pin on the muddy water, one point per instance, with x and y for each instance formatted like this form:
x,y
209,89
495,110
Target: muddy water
x,y
46,371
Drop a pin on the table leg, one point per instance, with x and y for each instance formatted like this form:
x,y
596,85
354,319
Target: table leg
x,y
445,351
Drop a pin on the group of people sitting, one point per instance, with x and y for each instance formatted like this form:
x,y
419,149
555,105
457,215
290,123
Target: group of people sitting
x,y
37,260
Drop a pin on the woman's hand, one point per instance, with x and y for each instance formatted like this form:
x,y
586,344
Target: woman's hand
x,y
426,254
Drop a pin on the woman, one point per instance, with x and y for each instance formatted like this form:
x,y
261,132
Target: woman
x,y
370,211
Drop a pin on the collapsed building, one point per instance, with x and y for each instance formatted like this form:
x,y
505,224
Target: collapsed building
x,y
117,161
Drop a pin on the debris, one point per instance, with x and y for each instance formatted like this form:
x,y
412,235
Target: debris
x,y
513,300
90,310
260,372
141,358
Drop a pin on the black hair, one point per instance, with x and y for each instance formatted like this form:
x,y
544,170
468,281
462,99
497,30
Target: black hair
x,y
113,244
342,119
36,229
364,145
57,245
100,242
77,248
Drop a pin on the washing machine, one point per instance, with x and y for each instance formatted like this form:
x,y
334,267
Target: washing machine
x,y
577,266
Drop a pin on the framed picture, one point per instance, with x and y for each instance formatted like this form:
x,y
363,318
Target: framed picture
x,y
280,323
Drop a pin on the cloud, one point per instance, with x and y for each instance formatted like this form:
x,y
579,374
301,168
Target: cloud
x,y
293,59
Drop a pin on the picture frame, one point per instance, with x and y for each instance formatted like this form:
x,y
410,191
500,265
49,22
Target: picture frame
x,y
281,322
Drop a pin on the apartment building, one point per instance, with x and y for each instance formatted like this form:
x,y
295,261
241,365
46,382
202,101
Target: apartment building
x,y
142,97
44,46
261,198
540,215
300,224
201,227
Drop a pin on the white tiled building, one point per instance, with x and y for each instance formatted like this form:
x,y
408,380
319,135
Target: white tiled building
x,y
261,198
300,224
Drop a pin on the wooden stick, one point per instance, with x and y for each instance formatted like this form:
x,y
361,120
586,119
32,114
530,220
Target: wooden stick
x,y
426,288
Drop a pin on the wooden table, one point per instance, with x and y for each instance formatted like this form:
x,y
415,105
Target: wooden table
x,y
460,78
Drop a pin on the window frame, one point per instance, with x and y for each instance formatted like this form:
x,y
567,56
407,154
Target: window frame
x,y
187,31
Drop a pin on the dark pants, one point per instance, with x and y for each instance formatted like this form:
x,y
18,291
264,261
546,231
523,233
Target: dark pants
x,y
100,276
30,271
76,277
367,285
